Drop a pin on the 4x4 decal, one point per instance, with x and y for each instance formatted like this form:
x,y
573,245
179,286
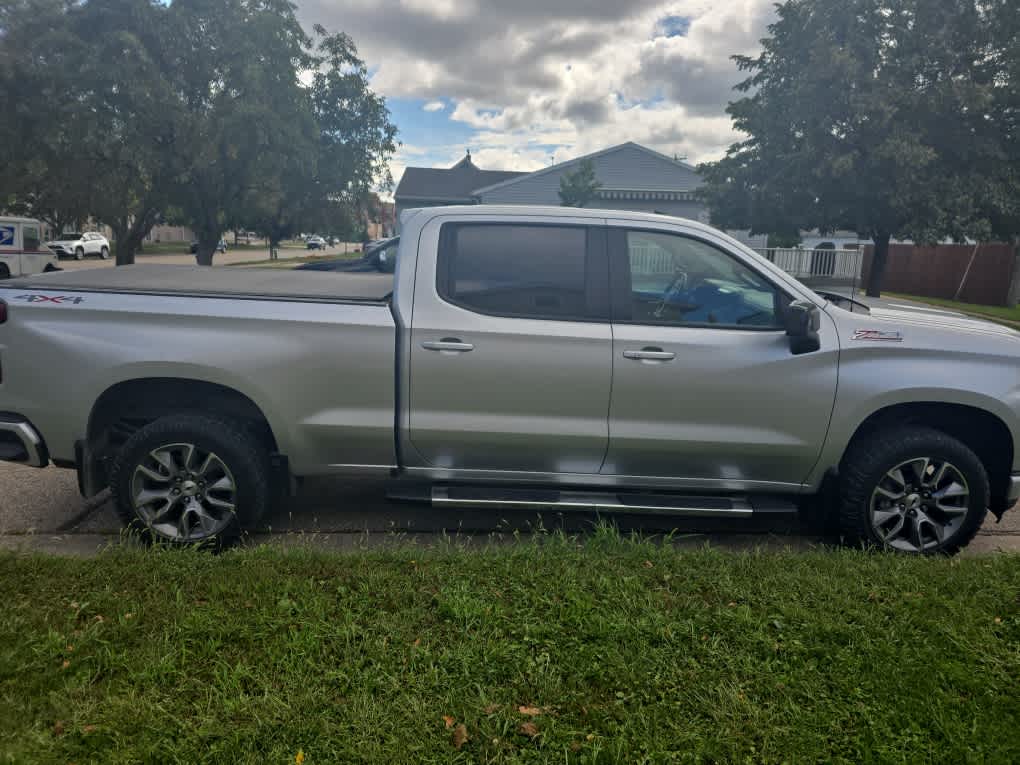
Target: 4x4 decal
x,y
60,299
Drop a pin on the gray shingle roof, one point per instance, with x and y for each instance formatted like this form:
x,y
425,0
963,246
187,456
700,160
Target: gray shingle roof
x,y
453,184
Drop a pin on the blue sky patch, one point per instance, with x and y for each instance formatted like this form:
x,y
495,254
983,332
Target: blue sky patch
x,y
672,26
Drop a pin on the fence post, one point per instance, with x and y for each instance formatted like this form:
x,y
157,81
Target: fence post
x,y
1013,296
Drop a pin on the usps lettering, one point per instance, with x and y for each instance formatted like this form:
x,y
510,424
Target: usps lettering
x,y
60,299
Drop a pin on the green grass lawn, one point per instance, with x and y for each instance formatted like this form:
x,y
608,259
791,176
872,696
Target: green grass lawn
x,y
610,651
987,311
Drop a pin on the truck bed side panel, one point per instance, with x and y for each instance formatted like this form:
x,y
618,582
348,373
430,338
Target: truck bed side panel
x,y
322,373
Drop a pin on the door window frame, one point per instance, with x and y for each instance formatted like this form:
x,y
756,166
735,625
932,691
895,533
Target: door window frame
x,y
621,287
596,268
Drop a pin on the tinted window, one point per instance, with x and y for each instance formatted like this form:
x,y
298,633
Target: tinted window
x,y
30,235
679,280
523,271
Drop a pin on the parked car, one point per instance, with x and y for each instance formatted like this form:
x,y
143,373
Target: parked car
x,y
21,250
221,246
381,259
315,243
538,358
77,246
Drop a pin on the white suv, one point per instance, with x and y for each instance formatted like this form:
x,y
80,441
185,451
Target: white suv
x,y
77,246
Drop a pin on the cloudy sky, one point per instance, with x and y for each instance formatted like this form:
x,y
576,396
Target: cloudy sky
x,y
521,82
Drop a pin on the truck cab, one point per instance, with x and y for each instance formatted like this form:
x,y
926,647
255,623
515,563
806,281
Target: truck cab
x,y
22,252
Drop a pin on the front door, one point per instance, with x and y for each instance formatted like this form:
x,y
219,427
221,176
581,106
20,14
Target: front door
x,y
510,361
35,255
705,388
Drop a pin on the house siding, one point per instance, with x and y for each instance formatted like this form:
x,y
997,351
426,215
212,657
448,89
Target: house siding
x,y
627,167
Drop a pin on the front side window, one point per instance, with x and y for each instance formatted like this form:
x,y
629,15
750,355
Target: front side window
x,y
678,280
516,270
30,235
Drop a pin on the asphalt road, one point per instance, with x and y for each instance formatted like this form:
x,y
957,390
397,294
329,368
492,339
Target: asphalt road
x,y
41,509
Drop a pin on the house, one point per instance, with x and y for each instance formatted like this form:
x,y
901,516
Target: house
x,y
633,177
433,187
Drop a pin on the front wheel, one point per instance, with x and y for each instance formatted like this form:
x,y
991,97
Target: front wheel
x,y
187,479
104,253
79,253
914,490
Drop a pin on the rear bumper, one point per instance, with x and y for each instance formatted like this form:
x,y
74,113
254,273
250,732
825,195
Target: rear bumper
x,y
21,443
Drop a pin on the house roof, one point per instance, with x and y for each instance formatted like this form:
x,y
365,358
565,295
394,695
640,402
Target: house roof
x,y
454,184
594,155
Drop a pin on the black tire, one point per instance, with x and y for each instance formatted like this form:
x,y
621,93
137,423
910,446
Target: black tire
x,y
244,455
79,253
104,253
869,459
4,272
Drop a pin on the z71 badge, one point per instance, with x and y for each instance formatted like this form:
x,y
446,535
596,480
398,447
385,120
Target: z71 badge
x,y
877,334
59,299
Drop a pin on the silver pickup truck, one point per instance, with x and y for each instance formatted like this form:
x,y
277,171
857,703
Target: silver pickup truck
x,y
522,358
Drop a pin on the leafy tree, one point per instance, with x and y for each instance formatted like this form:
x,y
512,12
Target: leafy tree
x,y
86,132
339,150
579,187
874,115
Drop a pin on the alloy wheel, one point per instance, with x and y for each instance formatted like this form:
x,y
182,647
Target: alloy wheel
x,y
183,493
919,504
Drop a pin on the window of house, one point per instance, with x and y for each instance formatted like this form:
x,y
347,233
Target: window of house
x,y
516,270
677,280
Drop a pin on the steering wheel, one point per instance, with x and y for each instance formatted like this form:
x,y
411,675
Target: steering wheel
x,y
679,281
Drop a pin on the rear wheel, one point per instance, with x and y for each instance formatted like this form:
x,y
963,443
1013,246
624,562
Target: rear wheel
x,y
4,271
79,253
188,479
104,253
912,489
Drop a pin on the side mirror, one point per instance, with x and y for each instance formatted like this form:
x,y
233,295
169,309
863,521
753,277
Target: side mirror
x,y
802,320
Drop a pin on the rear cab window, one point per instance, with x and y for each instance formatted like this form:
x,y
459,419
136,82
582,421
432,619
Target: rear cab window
x,y
524,270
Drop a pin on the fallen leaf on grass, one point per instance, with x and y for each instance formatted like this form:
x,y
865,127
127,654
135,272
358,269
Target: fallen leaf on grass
x,y
58,728
998,620
299,757
66,664
649,564
530,711
449,721
69,648
529,729
491,708
417,642
88,729
460,736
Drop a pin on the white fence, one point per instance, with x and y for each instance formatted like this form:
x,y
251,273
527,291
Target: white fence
x,y
835,265
844,265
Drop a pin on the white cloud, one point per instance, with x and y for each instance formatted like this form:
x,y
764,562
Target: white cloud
x,y
534,78
434,106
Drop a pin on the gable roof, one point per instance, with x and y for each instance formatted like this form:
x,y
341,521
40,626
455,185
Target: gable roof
x,y
453,184
559,168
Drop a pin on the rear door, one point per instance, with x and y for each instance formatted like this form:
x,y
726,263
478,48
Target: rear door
x,y
705,387
510,360
35,255
10,246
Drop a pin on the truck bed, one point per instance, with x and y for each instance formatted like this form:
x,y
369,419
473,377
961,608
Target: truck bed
x,y
202,281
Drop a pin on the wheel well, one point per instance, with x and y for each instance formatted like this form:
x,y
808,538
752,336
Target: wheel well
x,y
127,406
984,433
5,272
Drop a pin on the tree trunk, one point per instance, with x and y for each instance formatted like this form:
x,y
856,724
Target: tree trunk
x,y
878,261
128,233
207,242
